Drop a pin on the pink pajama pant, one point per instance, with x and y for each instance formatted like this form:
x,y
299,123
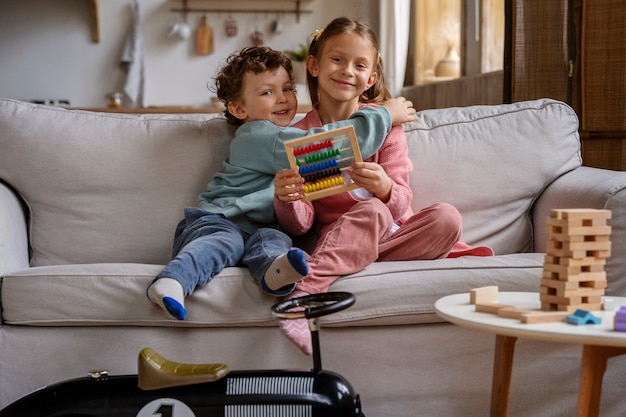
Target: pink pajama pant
x,y
362,236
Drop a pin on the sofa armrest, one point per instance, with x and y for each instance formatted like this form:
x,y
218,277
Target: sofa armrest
x,y
13,232
595,188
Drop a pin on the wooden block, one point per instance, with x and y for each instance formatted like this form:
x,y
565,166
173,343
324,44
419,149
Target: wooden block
x,y
579,250
583,292
587,261
585,277
587,246
564,233
564,269
571,289
559,307
487,294
512,313
551,260
578,254
598,284
571,308
553,299
491,308
558,285
588,306
580,213
581,277
543,317
592,268
593,299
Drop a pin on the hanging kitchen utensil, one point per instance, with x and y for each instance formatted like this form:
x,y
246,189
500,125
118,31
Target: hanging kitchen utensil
x,y
204,38
277,25
179,30
257,38
230,27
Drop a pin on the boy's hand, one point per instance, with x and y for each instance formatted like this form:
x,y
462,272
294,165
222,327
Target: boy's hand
x,y
288,185
373,178
400,109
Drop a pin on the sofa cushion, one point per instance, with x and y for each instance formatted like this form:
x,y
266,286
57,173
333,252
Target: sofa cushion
x,y
106,187
492,162
114,294
115,184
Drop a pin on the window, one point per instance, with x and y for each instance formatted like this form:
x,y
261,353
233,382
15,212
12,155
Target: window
x,y
454,38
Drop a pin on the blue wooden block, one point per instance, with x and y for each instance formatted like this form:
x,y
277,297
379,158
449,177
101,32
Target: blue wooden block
x,y
580,317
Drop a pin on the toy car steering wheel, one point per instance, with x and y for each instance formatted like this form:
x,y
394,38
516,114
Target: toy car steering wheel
x,y
314,305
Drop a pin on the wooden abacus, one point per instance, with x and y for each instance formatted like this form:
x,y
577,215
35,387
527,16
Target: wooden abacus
x,y
321,160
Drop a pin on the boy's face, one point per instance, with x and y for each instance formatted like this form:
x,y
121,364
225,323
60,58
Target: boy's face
x,y
266,96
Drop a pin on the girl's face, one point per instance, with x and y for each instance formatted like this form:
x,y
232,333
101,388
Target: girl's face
x,y
346,67
268,95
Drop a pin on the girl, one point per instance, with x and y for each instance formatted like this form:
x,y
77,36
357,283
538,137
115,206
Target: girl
x,y
376,222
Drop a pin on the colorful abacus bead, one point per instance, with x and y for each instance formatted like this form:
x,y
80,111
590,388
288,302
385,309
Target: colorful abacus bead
x,y
320,156
313,148
323,184
317,167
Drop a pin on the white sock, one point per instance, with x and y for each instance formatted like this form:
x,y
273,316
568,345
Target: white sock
x,y
168,294
286,269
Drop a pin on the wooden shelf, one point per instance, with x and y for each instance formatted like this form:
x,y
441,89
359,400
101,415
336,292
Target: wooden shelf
x,y
298,11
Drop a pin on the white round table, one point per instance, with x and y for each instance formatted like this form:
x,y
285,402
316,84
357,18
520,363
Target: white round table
x,y
600,342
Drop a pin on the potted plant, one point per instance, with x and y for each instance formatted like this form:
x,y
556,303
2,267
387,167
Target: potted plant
x,y
298,58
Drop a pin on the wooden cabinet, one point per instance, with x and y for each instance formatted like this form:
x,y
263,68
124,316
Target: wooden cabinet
x,y
574,51
536,55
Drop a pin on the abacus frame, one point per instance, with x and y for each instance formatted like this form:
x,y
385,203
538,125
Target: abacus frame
x,y
346,133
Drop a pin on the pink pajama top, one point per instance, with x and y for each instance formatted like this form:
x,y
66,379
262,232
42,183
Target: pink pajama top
x,y
298,217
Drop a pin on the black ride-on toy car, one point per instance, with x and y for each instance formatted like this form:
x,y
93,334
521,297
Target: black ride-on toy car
x,y
171,389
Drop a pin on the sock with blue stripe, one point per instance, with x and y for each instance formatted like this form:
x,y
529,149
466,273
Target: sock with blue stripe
x,y
168,294
287,269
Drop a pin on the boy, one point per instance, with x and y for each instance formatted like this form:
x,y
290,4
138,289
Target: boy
x,y
234,220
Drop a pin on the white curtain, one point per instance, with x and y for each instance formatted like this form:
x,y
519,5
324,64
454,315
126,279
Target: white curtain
x,y
394,41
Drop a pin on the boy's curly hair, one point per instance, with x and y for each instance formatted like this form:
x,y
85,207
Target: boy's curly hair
x,y
256,59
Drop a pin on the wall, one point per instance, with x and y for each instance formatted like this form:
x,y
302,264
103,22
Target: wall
x,y
460,92
46,51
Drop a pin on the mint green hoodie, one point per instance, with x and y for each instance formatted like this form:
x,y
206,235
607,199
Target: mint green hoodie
x,y
244,190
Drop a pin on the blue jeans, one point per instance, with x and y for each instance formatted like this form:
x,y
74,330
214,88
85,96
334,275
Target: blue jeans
x,y
206,243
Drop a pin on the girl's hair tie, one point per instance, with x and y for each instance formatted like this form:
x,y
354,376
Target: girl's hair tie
x,y
316,34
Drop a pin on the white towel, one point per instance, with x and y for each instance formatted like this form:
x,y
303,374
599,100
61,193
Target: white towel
x,y
132,62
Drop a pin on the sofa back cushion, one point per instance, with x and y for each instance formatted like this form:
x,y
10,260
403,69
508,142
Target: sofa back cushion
x,y
106,187
492,162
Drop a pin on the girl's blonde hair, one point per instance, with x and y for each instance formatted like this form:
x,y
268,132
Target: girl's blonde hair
x,y
377,93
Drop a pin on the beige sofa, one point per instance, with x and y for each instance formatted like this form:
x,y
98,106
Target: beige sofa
x,y
89,202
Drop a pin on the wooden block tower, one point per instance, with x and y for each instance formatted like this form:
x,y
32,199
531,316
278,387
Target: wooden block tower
x,y
573,271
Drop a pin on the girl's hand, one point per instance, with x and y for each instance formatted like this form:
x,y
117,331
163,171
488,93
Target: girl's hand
x,y
373,178
288,185
400,109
